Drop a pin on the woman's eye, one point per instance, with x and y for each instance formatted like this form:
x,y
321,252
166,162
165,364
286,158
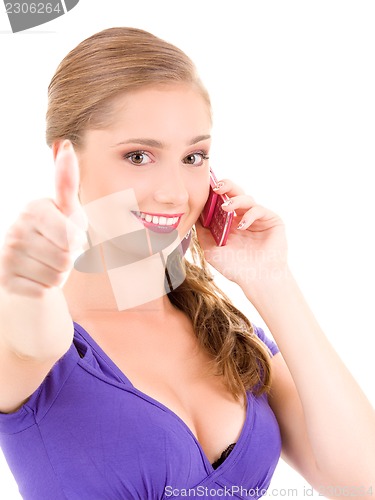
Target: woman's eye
x,y
138,158
195,158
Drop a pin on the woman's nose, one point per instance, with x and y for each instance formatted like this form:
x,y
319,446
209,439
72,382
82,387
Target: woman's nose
x,y
171,189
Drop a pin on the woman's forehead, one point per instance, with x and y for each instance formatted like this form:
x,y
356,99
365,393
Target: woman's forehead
x,y
157,97
155,110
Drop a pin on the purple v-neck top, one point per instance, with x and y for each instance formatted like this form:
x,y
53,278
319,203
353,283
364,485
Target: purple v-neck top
x,y
88,434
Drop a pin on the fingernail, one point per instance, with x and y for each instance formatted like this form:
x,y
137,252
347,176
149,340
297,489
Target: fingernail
x,y
226,203
218,186
66,144
241,224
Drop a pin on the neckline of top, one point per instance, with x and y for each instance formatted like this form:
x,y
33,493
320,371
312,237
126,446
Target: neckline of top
x,y
241,441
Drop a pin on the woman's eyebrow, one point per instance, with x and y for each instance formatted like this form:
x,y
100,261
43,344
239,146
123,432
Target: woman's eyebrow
x,y
199,138
157,144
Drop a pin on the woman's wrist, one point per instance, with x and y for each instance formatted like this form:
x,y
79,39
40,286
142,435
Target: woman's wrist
x,y
262,280
267,283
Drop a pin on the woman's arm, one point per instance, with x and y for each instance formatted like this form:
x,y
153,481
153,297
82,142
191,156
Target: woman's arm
x,y
327,423
36,328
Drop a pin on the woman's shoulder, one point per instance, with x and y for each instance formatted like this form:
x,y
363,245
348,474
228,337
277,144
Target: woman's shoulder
x,y
266,339
41,400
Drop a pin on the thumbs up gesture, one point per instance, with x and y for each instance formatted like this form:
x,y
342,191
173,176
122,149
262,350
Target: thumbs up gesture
x,y
39,247
67,179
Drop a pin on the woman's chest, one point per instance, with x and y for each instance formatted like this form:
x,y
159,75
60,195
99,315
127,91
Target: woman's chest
x,y
114,441
173,370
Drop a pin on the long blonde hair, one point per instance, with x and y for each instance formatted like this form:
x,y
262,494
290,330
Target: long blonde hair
x,y
81,95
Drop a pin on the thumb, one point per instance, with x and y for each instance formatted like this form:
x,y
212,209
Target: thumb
x,y
67,179
67,184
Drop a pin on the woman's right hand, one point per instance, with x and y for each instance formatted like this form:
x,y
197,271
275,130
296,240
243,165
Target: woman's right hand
x,y
39,247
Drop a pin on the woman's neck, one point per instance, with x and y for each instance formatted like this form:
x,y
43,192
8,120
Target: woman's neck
x,y
93,293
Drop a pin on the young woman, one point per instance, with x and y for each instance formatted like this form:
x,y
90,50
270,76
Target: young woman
x,y
138,378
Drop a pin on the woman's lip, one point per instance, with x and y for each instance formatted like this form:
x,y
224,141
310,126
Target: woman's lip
x,y
161,215
156,227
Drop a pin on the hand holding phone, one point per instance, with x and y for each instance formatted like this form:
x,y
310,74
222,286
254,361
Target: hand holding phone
x,y
213,217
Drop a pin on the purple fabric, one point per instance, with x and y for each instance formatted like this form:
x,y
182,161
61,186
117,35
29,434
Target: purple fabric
x,y
88,434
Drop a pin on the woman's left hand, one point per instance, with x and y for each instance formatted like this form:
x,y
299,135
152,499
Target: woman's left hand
x,y
257,251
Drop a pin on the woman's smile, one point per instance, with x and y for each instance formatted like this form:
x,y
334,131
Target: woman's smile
x,y
160,223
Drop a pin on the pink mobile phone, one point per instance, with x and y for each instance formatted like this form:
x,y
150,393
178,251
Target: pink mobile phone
x,y
214,217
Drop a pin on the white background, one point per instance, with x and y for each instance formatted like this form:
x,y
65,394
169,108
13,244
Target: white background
x,y
292,85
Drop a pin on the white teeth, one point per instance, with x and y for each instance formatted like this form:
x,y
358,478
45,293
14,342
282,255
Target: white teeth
x,y
161,221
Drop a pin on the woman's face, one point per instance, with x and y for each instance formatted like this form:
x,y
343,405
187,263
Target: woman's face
x,y
153,159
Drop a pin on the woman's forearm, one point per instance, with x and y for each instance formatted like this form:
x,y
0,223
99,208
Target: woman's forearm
x,y
339,419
